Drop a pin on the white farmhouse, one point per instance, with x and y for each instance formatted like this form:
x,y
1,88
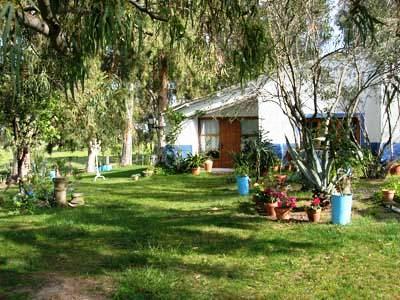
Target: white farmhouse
x,y
222,121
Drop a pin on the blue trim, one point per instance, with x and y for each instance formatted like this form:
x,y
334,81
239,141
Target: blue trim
x,y
396,150
387,155
173,150
281,150
375,148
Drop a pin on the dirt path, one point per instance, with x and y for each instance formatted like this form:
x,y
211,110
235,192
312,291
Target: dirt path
x,y
56,286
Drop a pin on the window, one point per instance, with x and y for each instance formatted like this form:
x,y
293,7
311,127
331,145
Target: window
x,y
249,130
335,128
209,137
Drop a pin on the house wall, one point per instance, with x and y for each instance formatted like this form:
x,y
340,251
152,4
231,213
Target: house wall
x,y
275,123
370,112
188,139
371,109
393,151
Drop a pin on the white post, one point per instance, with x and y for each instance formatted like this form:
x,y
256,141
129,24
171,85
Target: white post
x,y
96,149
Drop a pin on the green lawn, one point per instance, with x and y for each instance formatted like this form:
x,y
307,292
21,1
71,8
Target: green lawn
x,y
185,237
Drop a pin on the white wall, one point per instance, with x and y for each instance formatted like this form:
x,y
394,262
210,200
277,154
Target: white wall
x,y
272,119
189,134
371,108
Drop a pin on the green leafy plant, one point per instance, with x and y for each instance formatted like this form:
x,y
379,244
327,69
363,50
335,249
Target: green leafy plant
x,y
241,165
174,120
195,161
260,154
392,184
242,170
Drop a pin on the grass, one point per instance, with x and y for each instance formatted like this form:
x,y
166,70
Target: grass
x,y
186,237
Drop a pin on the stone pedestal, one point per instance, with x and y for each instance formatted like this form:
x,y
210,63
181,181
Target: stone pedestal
x,y
60,190
77,200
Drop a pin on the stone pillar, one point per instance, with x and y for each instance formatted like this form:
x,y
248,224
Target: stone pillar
x,y
60,191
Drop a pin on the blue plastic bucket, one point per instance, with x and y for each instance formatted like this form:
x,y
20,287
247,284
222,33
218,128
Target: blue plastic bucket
x,y
341,209
243,185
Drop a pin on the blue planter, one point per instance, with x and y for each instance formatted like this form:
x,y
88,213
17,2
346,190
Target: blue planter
x,y
341,209
105,168
52,174
242,185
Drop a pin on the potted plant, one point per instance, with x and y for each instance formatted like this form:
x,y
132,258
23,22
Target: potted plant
x,y
265,200
258,197
314,210
284,207
271,199
194,162
343,198
208,164
390,189
281,178
242,179
395,168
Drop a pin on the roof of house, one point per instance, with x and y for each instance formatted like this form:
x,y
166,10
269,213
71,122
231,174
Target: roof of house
x,y
228,97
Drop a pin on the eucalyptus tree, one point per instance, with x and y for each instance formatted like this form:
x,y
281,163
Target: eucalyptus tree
x,y
225,38
94,113
27,111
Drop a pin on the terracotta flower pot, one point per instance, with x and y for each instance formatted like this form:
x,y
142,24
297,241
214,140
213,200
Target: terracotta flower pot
x,y
395,170
388,195
280,179
270,208
208,164
282,213
314,215
196,171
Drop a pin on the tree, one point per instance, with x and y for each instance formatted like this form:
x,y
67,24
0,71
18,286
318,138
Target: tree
x,y
95,113
226,35
27,110
313,77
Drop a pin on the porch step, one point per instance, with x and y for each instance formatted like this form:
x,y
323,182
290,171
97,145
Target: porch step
x,y
222,171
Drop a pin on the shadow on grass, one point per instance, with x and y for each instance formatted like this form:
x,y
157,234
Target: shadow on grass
x,y
115,233
373,207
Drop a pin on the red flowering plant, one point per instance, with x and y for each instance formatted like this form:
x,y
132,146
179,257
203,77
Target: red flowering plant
x,y
265,195
287,202
315,204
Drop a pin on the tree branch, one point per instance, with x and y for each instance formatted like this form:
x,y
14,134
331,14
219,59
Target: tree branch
x,y
33,22
148,12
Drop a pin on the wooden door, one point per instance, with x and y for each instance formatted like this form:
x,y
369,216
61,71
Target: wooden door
x,y
229,137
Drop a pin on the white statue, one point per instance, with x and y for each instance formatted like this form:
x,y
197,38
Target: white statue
x,y
96,149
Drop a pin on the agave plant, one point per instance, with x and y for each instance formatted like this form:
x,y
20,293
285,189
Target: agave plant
x,y
317,167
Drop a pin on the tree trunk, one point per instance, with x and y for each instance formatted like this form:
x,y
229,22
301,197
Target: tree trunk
x,y
91,162
14,167
126,156
162,104
23,162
